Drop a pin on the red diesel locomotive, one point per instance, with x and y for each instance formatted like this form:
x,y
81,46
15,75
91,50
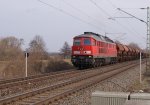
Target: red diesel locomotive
x,y
92,50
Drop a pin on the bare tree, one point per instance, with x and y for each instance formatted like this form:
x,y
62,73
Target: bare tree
x,y
66,50
10,47
11,42
134,45
37,47
117,41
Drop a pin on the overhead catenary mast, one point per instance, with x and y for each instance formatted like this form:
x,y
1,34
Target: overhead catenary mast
x,y
148,36
148,42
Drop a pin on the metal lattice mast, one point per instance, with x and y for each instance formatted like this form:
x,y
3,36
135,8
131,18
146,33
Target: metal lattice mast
x,y
148,36
148,41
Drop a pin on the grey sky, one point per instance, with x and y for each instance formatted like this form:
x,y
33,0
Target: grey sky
x,y
27,18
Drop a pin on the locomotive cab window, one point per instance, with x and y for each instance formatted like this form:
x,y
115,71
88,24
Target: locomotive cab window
x,y
77,42
87,42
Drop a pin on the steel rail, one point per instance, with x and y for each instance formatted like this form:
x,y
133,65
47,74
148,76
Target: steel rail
x,y
37,91
4,81
22,81
22,86
50,100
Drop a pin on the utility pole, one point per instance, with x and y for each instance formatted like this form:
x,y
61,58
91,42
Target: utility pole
x,y
148,43
140,69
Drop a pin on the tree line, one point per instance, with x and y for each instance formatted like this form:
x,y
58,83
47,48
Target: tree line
x,y
11,47
39,60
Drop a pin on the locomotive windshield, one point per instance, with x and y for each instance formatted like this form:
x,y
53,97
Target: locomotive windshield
x,y
82,41
87,42
77,42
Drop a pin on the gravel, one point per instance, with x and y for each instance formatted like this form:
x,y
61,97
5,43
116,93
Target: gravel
x,y
121,82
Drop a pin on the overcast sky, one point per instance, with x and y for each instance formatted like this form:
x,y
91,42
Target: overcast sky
x,y
58,21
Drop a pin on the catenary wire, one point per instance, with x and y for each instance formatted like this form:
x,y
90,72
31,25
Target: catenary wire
x,y
101,9
82,12
139,34
67,13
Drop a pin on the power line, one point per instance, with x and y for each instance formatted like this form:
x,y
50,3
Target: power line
x,y
129,30
130,23
101,9
132,15
114,6
77,18
79,10
67,13
106,13
109,14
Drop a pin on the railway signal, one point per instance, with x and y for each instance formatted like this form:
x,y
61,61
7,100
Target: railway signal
x,y
26,54
26,57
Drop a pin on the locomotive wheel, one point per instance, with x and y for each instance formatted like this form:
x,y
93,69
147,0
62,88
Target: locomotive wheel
x,y
94,65
80,67
100,63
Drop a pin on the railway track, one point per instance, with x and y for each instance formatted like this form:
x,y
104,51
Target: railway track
x,y
21,85
53,92
4,81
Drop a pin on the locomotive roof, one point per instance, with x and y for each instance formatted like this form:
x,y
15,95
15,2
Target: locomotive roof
x,y
96,36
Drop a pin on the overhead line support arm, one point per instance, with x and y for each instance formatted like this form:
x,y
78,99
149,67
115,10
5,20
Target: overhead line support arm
x,y
131,15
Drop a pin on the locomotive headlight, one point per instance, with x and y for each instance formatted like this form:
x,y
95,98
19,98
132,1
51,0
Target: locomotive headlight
x,y
90,56
87,52
76,52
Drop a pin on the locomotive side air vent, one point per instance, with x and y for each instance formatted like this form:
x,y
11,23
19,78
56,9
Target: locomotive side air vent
x,y
89,33
92,33
108,39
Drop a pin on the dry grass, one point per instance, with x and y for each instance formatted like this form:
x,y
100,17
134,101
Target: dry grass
x,y
57,65
136,87
68,61
3,65
16,68
145,85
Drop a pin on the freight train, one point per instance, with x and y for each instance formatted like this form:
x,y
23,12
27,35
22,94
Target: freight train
x,y
93,50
